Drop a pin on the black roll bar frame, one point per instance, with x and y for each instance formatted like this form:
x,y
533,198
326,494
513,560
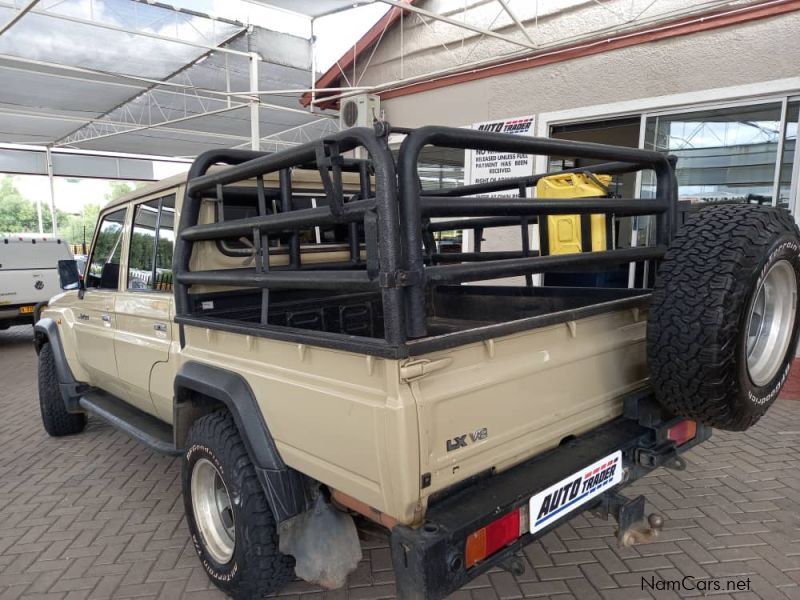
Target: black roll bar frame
x,y
398,228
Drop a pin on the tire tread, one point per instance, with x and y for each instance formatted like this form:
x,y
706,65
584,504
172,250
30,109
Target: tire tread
x,y
694,324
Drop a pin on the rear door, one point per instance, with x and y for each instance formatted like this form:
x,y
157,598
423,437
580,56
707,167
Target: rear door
x,y
144,310
94,314
29,271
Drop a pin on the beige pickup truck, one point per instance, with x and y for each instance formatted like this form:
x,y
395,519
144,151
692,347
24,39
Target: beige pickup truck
x,y
290,326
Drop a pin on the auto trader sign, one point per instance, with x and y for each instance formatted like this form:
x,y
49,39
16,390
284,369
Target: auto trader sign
x,y
482,166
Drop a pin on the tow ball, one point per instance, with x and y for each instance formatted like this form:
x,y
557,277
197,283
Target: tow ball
x,y
632,526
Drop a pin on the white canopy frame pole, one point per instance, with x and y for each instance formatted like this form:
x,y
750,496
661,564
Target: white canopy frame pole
x,y
311,106
255,125
50,178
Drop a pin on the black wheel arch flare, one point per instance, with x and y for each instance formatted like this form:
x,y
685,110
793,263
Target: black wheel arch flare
x,y
200,389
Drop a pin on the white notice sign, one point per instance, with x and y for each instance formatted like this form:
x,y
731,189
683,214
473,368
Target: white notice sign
x,y
482,166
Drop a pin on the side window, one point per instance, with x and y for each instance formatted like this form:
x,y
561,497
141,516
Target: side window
x,y
166,245
243,207
103,271
152,242
143,237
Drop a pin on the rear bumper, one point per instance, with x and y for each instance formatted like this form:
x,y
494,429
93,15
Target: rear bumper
x,y
12,318
429,561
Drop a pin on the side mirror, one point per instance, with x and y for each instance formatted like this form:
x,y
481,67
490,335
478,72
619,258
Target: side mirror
x,y
68,275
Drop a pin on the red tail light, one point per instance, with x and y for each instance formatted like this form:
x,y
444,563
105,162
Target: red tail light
x,y
496,535
682,432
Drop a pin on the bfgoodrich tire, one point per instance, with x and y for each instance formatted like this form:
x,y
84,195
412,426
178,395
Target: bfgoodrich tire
x,y
723,322
230,521
55,418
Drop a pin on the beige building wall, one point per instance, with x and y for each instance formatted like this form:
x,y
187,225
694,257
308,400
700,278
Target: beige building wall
x,y
755,52
752,59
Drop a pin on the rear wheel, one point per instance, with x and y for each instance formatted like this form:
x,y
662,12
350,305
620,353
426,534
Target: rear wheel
x,y
230,521
55,418
724,316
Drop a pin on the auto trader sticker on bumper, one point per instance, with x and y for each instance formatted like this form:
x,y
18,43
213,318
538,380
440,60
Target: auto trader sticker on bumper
x,y
549,505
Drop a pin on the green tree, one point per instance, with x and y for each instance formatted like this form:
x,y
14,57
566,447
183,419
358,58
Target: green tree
x,y
74,227
117,189
18,214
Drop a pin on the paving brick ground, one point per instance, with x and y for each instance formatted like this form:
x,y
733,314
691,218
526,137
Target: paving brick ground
x,y
100,516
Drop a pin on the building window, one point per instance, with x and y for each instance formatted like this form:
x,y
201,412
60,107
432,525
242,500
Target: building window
x,y
723,154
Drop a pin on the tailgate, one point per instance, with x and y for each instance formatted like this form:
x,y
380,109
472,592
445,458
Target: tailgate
x,y
27,286
496,403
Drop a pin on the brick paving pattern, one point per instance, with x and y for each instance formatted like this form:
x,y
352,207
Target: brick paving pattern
x,y
100,516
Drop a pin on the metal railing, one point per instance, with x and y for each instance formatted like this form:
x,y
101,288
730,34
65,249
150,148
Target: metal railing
x,y
398,221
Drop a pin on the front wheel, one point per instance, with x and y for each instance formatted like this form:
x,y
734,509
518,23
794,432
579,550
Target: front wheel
x,y
55,418
230,521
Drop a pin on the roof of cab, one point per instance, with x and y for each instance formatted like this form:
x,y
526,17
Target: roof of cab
x,y
146,190
350,180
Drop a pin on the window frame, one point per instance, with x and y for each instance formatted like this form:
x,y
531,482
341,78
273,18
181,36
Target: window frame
x,y
225,249
103,216
157,230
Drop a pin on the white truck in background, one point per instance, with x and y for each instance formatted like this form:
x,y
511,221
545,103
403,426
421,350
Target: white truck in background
x,y
28,274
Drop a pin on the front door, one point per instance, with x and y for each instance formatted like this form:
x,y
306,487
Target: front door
x,y
94,314
143,311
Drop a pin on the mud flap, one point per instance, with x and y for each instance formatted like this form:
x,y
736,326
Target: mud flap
x,y
324,543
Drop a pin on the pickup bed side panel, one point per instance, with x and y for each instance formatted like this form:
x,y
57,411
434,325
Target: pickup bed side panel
x,y
341,418
501,401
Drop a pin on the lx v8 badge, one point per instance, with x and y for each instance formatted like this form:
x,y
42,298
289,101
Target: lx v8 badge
x,y
460,441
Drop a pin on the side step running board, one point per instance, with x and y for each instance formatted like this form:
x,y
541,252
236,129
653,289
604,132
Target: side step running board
x,y
136,423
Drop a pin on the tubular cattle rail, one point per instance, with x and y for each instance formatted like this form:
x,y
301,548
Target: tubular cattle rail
x,y
393,221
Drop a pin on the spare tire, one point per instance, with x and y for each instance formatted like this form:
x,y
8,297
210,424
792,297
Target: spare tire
x,y
723,322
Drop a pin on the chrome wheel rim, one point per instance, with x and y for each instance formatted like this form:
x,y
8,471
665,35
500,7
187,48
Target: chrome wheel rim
x,y
771,321
213,511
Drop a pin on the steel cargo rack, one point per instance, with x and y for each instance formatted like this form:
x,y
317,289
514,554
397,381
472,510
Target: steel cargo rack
x,y
395,295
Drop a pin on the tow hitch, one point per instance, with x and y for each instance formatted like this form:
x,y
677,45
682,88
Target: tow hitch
x,y
632,526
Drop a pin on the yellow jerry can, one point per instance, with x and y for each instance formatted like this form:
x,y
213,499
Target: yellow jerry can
x,y
564,232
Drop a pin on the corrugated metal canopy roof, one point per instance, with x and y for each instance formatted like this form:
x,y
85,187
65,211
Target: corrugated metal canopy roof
x,y
140,77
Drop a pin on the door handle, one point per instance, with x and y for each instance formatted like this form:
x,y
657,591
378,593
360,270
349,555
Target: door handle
x,y
160,327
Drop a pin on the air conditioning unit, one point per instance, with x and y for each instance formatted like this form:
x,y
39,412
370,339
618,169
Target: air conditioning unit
x,y
359,111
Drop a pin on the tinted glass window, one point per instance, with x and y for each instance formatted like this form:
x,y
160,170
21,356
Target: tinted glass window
x,y
140,261
150,263
166,245
103,269
242,208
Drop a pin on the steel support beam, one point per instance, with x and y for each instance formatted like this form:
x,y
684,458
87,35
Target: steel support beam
x,y
161,124
155,36
462,24
516,20
20,13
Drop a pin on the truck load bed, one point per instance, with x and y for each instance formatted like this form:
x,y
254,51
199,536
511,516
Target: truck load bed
x,y
392,293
